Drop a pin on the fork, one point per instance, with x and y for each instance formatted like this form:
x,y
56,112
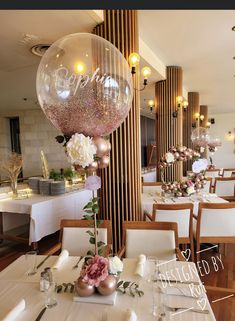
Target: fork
x,y
76,265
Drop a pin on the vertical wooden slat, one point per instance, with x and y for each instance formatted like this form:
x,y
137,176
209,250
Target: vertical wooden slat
x,y
189,121
169,129
120,192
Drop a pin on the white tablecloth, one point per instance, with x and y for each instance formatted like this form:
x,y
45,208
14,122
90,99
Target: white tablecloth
x,y
46,212
15,285
149,199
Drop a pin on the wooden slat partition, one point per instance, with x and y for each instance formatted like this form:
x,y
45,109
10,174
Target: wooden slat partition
x,y
121,181
169,129
204,111
189,120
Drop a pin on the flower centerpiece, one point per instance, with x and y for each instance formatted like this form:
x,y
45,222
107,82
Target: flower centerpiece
x,y
196,179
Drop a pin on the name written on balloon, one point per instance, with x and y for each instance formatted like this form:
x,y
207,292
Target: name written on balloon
x,y
65,80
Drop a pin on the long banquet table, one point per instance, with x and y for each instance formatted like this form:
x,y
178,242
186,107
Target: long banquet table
x,y
16,285
46,212
148,199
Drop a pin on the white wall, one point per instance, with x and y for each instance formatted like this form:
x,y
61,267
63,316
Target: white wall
x,y
224,157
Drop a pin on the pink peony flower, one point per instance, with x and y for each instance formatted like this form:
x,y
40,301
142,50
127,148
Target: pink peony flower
x,y
95,271
93,183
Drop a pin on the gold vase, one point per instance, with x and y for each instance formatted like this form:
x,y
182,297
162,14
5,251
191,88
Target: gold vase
x,y
84,289
108,286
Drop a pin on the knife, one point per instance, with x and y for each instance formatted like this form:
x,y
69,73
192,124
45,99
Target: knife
x,y
44,260
188,310
41,314
178,281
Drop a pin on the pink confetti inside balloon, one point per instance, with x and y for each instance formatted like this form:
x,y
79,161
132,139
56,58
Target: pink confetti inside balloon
x,y
84,85
200,137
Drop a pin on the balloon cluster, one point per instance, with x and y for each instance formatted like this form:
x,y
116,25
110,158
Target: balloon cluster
x,y
102,155
200,138
195,181
179,153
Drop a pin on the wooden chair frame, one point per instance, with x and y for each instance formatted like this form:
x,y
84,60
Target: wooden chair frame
x,y
211,239
228,170
150,184
82,223
211,189
172,207
166,226
224,179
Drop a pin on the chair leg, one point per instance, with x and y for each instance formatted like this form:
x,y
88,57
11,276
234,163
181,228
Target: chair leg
x,y
192,249
197,251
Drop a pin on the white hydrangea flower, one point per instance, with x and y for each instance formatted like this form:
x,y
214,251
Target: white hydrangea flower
x,y
115,265
200,165
81,150
169,157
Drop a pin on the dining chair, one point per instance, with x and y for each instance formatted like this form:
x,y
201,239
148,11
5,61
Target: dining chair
x,y
228,172
213,173
215,223
151,187
74,237
208,188
182,214
225,187
159,239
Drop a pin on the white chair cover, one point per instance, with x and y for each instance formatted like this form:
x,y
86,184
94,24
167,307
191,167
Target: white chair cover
x,y
181,217
152,189
158,243
225,188
76,240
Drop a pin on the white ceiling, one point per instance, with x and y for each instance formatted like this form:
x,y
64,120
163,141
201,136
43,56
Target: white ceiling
x,y
200,41
203,43
19,31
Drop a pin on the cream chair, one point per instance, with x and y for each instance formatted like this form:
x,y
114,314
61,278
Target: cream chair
x,y
158,239
228,172
151,187
182,214
215,223
208,186
74,237
225,187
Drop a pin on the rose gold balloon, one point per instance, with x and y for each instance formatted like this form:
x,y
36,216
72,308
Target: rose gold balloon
x,y
93,166
109,146
108,286
103,162
101,145
84,289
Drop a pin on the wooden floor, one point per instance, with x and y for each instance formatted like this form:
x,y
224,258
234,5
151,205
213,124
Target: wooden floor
x,y
224,308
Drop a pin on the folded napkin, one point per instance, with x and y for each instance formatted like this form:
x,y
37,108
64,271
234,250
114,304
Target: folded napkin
x,y
62,257
140,265
13,314
115,314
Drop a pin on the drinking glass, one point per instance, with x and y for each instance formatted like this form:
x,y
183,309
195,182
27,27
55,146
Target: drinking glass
x,y
150,268
50,295
31,261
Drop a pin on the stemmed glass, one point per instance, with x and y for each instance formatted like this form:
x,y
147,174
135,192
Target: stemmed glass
x,y
31,261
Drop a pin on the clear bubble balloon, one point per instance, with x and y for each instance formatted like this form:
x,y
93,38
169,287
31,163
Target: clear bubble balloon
x,y
200,137
84,85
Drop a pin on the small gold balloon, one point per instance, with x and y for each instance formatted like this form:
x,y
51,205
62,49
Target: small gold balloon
x,y
103,162
83,289
108,286
101,145
93,166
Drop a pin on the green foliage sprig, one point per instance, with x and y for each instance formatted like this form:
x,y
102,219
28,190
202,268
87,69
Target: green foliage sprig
x,y
130,288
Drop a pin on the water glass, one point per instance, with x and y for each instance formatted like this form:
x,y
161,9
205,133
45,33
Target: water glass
x,y
150,268
50,295
31,261
158,302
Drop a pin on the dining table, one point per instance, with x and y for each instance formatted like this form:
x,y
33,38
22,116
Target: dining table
x,y
179,303
148,199
45,212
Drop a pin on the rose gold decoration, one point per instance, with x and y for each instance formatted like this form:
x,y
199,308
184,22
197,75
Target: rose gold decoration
x,y
101,145
83,288
108,286
103,162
